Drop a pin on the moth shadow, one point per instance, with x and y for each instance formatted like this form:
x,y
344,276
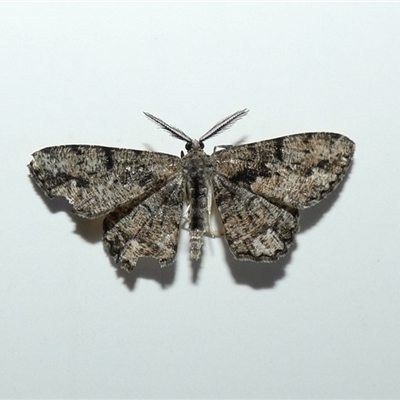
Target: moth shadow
x,y
257,275
91,230
195,266
147,268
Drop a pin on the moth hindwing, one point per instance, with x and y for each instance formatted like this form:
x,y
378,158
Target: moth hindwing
x,y
258,189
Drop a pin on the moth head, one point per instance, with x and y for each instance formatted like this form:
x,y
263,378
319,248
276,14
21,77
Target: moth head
x,y
194,145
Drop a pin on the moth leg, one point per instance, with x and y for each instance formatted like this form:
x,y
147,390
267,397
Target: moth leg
x,y
185,218
222,146
212,211
186,213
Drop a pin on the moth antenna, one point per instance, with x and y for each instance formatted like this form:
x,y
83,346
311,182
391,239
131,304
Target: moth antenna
x,y
175,132
224,124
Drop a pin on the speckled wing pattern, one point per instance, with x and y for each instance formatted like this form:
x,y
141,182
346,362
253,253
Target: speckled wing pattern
x,y
258,188
255,228
141,187
147,228
96,179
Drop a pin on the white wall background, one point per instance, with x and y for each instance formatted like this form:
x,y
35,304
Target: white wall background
x,y
323,322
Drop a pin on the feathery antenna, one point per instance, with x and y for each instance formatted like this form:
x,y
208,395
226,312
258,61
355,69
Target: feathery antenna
x,y
175,132
224,124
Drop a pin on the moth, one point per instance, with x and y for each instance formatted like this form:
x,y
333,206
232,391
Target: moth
x,y
258,189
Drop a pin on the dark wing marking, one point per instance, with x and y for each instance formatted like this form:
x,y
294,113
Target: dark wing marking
x,y
297,170
149,228
255,229
96,179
